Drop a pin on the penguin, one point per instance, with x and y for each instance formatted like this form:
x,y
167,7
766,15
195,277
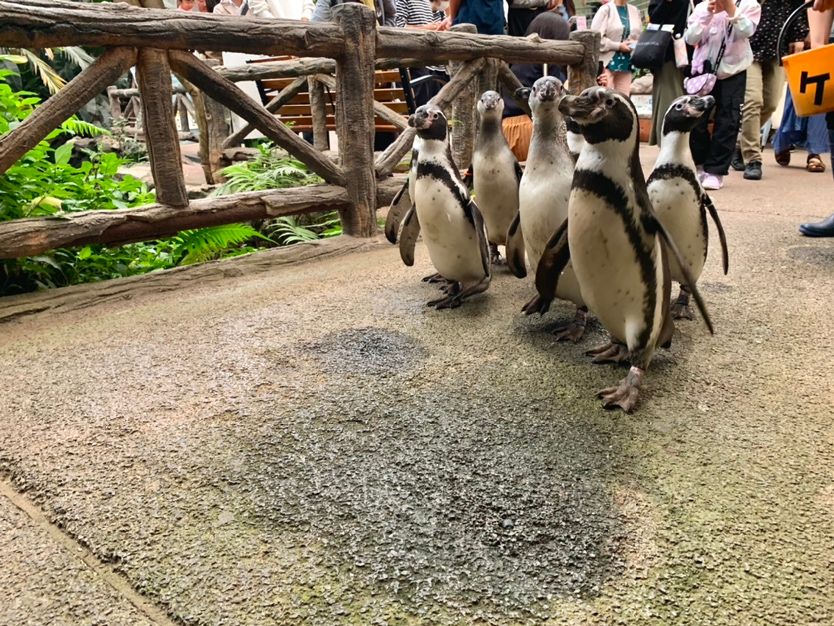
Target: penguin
x,y
403,200
452,226
543,199
612,237
495,173
678,198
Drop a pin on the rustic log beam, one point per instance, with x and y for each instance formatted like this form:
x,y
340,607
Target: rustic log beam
x,y
380,110
511,83
285,95
210,116
154,76
389,159
134,91
355,116
302,67
27,237
105,71
230,95
462,132
39,25
318,112
583,73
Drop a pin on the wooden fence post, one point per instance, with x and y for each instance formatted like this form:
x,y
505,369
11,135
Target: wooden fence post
x,y
355,116
463,111
584,74
162,139
318,109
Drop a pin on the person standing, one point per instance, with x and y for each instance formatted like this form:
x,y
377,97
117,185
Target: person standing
x,y
667,83
620,25
820,20
486,15
765,79
283,9
723,29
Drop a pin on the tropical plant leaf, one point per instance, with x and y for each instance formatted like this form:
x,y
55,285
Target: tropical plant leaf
x,y
42,68
204,244
77,55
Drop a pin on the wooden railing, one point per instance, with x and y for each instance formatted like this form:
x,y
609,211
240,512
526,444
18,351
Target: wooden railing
x,y
158,42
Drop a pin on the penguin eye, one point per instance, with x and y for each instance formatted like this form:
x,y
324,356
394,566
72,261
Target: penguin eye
x,y
610,102
679,106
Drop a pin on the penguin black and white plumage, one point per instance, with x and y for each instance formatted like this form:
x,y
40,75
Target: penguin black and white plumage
x,y
543,198
614,240
452,227
495,173
678,198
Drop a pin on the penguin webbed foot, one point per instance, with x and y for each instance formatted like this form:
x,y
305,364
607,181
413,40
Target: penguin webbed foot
x,y
680,307
612,352
456,293
575,330
495,257
625,395
537,304
434,278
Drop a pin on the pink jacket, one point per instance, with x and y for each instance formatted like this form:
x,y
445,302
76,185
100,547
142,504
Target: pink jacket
x,y
706,30
607,22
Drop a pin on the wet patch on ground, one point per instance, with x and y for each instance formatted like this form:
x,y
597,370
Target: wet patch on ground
x,y
815,255
366,350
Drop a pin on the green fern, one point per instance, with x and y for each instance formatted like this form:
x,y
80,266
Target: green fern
x,y
287,230
205,244
75,126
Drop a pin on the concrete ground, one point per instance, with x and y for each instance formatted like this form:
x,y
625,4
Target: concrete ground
x,y
308,444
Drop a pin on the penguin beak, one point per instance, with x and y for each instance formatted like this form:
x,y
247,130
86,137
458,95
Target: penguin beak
x,y
696,107
420,122
547,95
577,107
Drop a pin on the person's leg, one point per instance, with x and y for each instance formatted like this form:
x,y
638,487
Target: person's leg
x,y
751,115
699,140
667,85
622,82
729,98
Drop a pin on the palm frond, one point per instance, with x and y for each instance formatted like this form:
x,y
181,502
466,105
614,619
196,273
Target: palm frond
x,y
77,55
49,76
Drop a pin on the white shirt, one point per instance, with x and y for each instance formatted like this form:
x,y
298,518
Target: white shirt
x,y
282,9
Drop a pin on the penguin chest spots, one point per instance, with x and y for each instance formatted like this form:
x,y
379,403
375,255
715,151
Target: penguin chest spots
x,y
608,267
448,234
679,209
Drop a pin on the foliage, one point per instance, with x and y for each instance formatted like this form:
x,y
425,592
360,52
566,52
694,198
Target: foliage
x,y
270,169
44,182
45,64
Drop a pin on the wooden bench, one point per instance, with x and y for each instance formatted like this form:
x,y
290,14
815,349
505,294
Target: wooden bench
x,y
297,113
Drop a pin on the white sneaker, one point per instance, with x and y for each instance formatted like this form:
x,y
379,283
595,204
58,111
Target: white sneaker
x,y
700,173
712,182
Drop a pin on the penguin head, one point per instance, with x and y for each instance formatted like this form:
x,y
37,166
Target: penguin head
x,y
430,122
685,112
602,114
545,94
491,105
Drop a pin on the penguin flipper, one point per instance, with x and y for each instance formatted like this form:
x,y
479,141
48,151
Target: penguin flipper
x,y
408,236
480,233
515,248
555,259
713,213
396,211
690,281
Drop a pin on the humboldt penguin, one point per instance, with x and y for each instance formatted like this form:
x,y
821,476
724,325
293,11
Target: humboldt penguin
x,y
495,173
614,240
679,201
543,199
452,226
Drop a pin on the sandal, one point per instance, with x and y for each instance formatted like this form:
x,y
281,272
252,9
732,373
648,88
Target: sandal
x,y
783,158
815,163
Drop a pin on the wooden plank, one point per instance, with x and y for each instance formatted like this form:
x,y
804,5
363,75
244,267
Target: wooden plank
x,y
105,71
271,68
319,108
381,111
462,134
288,93
388,160
230,95
59,23
354,116
161,139
27,237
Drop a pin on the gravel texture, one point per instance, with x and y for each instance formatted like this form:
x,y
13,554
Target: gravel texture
x,y
314,446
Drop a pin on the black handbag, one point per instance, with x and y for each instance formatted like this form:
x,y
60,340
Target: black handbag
x,y
650,51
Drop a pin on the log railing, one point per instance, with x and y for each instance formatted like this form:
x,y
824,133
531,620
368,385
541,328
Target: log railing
x,y
159,42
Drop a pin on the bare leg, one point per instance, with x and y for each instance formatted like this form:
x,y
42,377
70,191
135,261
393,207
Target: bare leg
x,y
575,329
612,352
680,308
624,395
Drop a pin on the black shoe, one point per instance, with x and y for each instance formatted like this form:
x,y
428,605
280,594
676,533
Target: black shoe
x,y
738,161
753,171
824,228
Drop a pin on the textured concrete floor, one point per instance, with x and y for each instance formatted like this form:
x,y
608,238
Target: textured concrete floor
x,y
312,446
